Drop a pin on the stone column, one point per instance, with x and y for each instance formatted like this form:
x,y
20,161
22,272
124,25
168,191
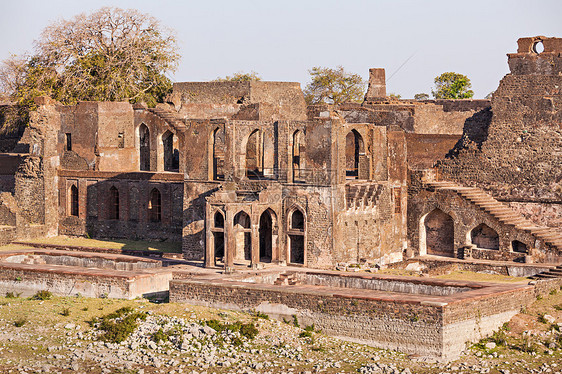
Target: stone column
x,y
255,243
209,240
229,244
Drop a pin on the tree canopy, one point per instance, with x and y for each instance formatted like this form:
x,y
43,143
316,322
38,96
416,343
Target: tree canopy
x,y
421,96
111,54
452,86
333,86
240,77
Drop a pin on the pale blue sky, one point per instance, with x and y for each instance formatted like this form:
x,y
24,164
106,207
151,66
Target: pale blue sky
x,y
281,40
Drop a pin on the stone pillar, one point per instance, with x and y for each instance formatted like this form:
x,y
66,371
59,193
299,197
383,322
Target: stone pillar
x,y
255,243
209,240
377,84
229,241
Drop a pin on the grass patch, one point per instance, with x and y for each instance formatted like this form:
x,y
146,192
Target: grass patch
x,y
65,312
247,330
12,295
139,245
481,277
119,325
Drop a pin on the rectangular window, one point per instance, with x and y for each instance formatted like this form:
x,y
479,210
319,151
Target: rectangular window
x,y
121,140
68,141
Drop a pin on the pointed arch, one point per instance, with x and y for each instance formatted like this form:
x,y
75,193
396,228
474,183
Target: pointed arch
x,y
254,156
354,149
267,235
297,155
242,236
217,145
171,153
144,147
218,237
73,201
439,233
296,237
483,236
155,206
113,203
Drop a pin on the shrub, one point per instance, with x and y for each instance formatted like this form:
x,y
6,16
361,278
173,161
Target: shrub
x,y
42,295
160,335
558,307
260,315
499,337
296,321
20,322
12,295
65,312
248,330
553,291
117,326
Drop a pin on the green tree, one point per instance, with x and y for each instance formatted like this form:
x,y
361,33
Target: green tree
x,y
452,86
111,54
240,77
333,86
421,96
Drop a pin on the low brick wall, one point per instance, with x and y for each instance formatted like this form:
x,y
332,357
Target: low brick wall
x,y
69,281
425,325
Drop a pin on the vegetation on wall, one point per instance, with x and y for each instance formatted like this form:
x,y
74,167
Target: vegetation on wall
x,y
333,86
452,86
240,77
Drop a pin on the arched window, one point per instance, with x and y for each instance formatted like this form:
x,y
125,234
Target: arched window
x,y
171,154
520,247
253,156
113,203
218,144
354,149
155,206
144,147
297,161
73,200
219,220
483,236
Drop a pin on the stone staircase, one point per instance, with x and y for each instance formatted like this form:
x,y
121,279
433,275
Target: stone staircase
x,y
362,195
288,279
171,117
502,212
552,273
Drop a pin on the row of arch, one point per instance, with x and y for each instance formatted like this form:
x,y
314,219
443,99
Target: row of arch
x,y
114,206
267,229
170,150
260,155
438,236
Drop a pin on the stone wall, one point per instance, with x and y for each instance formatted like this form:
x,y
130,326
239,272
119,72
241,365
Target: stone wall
x,y
436,328
68,281
134,198
519,159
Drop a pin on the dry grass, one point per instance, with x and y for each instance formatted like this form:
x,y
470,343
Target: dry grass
x,y
167,247
481,277
12,247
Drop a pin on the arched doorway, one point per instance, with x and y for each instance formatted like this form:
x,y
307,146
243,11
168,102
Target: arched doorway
x,y
439,234
242,236
73,201
144,147
218,237
171,153
266,237
520,247
253,156
218,145
354,149
296,237
483,236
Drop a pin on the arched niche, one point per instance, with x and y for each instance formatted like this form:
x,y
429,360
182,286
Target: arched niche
x,y
242,236
144,147
439,234
354,151
296,237
485,237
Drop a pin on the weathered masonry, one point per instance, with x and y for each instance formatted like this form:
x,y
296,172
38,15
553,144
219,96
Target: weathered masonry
x,y
244,173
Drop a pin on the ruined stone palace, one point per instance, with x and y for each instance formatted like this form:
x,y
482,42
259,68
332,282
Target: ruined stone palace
x,y
246,174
